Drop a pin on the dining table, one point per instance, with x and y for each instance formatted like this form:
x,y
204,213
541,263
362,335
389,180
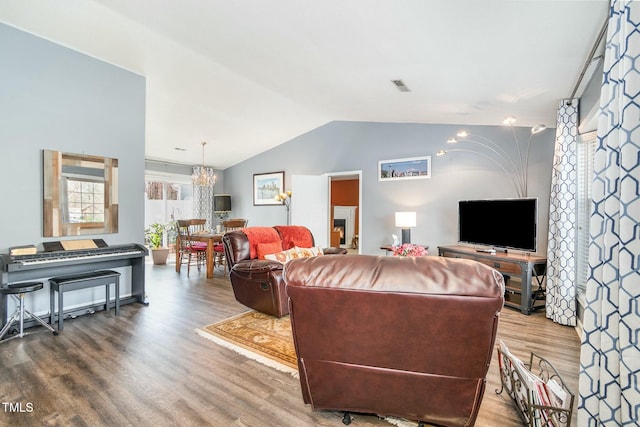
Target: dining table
x,y
210,239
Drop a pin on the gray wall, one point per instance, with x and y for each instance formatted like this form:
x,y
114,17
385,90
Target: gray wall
x,y
58,99
590,99
168,167
55,98
346,146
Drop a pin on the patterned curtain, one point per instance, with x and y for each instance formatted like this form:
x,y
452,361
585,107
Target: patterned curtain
x,y
203,204
610,353
561,252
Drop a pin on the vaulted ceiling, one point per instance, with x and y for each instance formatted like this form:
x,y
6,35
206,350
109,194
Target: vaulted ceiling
x,y
247,75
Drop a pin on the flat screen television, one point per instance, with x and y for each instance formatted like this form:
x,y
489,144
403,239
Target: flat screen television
x,y
499,223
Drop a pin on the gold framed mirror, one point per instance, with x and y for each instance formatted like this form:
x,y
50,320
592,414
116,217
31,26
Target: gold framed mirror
x,y
80,194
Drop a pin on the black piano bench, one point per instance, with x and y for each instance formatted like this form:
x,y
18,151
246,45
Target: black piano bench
x,y
17,291
74,282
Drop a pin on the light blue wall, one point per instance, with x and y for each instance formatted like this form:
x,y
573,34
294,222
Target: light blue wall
x,y
58,99
55,98
346,146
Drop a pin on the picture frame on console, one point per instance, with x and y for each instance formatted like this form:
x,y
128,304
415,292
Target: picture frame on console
x,y
407,168
266,186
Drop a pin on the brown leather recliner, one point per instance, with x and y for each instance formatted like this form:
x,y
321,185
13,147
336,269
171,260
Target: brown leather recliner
x,y
394,336
257,283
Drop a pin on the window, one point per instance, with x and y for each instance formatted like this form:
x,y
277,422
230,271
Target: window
x,y
586,151
167,197
154,190
85,200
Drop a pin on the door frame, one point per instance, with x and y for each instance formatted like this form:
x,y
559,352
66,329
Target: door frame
x,y
357,173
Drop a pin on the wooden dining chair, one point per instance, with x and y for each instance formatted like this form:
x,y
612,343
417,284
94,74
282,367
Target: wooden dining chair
x,y
227,225
193,252
234,224
197,226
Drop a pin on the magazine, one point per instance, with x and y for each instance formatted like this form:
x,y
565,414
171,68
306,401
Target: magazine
x,y
557,394
539,393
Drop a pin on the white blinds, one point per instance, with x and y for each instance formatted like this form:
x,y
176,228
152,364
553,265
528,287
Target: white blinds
x,y
586,149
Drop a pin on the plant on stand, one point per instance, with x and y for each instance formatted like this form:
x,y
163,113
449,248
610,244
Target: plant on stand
x,y
154,235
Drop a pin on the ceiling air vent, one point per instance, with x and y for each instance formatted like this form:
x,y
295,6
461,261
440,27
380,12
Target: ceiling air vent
x,y
400,85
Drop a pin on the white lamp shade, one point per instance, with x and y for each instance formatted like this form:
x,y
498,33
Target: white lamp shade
x,y
405,219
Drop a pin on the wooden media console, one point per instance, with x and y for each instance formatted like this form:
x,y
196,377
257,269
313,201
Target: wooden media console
x,y
524,274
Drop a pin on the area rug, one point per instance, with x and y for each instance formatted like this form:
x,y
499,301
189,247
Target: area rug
x,y
261,337
266,340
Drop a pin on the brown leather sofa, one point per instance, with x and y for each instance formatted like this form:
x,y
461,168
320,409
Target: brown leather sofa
x,y
394,336
257,283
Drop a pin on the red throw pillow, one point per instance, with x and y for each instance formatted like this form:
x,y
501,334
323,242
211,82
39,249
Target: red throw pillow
x,y
268,248
259,235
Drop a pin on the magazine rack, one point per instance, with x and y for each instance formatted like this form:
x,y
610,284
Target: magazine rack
x,y
534,409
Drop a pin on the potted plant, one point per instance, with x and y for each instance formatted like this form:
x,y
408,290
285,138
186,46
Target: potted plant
x,y
155,236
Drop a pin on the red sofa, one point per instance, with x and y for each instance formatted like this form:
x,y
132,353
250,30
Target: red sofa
x,y
409,337
257,283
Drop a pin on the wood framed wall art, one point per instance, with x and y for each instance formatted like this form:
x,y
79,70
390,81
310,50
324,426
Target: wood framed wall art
x,y
266,186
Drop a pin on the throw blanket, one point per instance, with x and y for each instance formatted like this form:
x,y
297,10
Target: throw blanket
x,y
259,235
295,235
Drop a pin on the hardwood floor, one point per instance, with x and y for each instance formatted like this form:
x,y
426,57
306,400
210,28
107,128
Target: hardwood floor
x,y
147,367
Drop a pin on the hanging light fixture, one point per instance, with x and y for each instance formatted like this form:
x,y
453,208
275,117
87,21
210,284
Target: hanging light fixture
x,y
515,166
203,176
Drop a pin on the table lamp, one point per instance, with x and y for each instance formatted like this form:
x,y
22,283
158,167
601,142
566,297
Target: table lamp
x,y
406,220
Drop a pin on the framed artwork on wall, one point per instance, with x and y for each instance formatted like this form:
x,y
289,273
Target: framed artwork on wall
x,y
407,168
80,194
266,186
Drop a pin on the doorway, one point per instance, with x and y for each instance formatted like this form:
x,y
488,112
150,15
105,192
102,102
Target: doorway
x,y
345,213
313,206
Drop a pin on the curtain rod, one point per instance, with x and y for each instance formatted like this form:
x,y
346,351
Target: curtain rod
x,y
590,57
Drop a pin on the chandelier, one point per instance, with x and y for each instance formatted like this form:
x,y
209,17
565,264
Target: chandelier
x,y
203,176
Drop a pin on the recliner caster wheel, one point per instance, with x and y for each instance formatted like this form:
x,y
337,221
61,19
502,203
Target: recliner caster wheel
x,y
346,419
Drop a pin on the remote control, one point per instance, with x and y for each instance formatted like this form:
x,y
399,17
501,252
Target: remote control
x,y
489,251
